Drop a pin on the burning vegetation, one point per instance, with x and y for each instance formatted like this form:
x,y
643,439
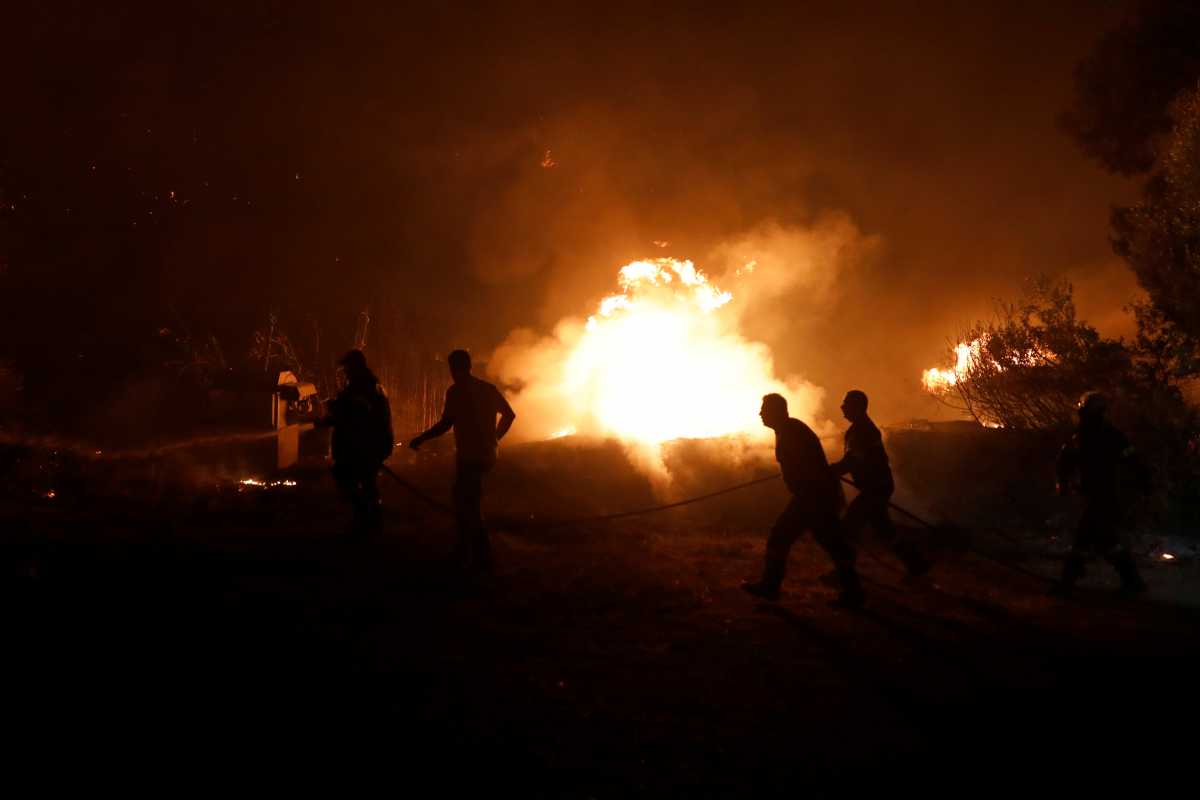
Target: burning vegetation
x,y
660,359
1026,368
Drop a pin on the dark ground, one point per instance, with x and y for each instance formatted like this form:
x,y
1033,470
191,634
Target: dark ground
x,y
244,631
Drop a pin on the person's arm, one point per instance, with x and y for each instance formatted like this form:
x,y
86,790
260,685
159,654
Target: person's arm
x,y
849,458
507,416
438,428
327,419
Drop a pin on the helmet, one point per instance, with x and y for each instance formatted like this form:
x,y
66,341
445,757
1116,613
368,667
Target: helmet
x,y
1092,403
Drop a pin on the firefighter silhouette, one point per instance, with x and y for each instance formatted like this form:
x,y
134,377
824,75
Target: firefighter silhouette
x,y
1101,458
816,500
867,462
361,419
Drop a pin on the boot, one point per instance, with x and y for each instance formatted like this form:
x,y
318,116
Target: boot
x,y
772,579
851,597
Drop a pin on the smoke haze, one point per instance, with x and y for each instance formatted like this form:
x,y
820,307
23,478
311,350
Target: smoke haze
x,y
489,169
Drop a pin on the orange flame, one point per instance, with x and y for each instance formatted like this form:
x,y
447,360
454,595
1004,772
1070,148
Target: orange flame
x,y
969,355
659,360
965,356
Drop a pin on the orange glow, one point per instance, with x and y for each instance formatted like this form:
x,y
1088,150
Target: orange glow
x,y
969,355
660,361
260,484
941,380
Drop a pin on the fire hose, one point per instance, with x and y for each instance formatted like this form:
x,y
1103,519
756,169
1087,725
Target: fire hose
x,y
440,506
444,508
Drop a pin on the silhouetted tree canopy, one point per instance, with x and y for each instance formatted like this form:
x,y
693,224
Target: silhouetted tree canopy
x,y
1125,87
1160,236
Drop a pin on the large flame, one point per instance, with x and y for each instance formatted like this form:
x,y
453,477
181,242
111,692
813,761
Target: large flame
x,y
661,359
966,355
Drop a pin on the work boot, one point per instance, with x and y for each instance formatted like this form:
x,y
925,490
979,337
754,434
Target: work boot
x,y
851,597
762,590
1131,581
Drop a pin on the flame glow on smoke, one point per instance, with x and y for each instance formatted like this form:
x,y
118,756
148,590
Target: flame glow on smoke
x,y
659,360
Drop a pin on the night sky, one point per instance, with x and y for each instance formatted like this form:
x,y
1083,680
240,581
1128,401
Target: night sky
x,y
482,169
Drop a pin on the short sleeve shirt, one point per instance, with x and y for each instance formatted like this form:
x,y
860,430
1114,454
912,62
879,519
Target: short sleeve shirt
x,y
472,407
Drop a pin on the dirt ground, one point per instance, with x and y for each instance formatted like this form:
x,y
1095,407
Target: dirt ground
x,y
203,631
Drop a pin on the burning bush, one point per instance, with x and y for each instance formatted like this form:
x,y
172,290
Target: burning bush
x,y
1026,368
1025,371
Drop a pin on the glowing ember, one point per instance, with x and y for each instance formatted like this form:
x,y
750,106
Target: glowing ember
x,y
1168,557
659,360
50,495
266,484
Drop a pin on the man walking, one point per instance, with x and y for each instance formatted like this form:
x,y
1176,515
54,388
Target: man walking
x,y
472,406
816,500
867,462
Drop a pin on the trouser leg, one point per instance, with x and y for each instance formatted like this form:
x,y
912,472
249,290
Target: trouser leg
x,y
349,482
830,535
1103,522
372,513
788,528
856,517
1088,535
877,512
473,543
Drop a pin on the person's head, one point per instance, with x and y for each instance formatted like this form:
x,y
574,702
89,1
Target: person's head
x,y
774,411
854,406
459,362
1092,407
354,364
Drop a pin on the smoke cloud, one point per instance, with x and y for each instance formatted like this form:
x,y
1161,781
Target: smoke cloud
x,y
481,174
672,356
